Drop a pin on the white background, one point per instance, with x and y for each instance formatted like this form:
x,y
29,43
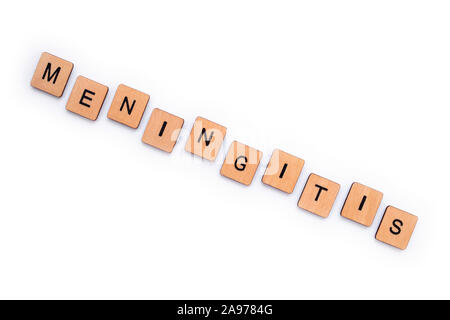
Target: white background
x,y
359,89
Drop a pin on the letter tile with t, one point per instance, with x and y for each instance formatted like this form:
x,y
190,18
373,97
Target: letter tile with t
x,y
319,195
241,163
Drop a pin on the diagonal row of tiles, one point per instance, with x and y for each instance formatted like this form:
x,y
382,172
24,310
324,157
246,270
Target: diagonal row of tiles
x,y
205,140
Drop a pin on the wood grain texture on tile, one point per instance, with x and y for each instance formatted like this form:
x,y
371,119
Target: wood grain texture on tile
x,y
51,74
282,171
205,139
319,195
396,227
86,98
241,163
361,204
162,130
128,106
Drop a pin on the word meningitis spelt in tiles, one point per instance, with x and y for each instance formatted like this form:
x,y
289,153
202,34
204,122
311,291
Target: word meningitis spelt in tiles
x,y
205,140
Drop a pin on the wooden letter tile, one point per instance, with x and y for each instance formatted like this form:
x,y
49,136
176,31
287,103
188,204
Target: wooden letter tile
x,y
205,139
128,106
283,171
319,195
396,227
52,74
241,163
162,130
87,98
361,204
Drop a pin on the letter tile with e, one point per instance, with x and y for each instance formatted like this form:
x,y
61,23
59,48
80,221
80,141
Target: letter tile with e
x,y
319,195
86,98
